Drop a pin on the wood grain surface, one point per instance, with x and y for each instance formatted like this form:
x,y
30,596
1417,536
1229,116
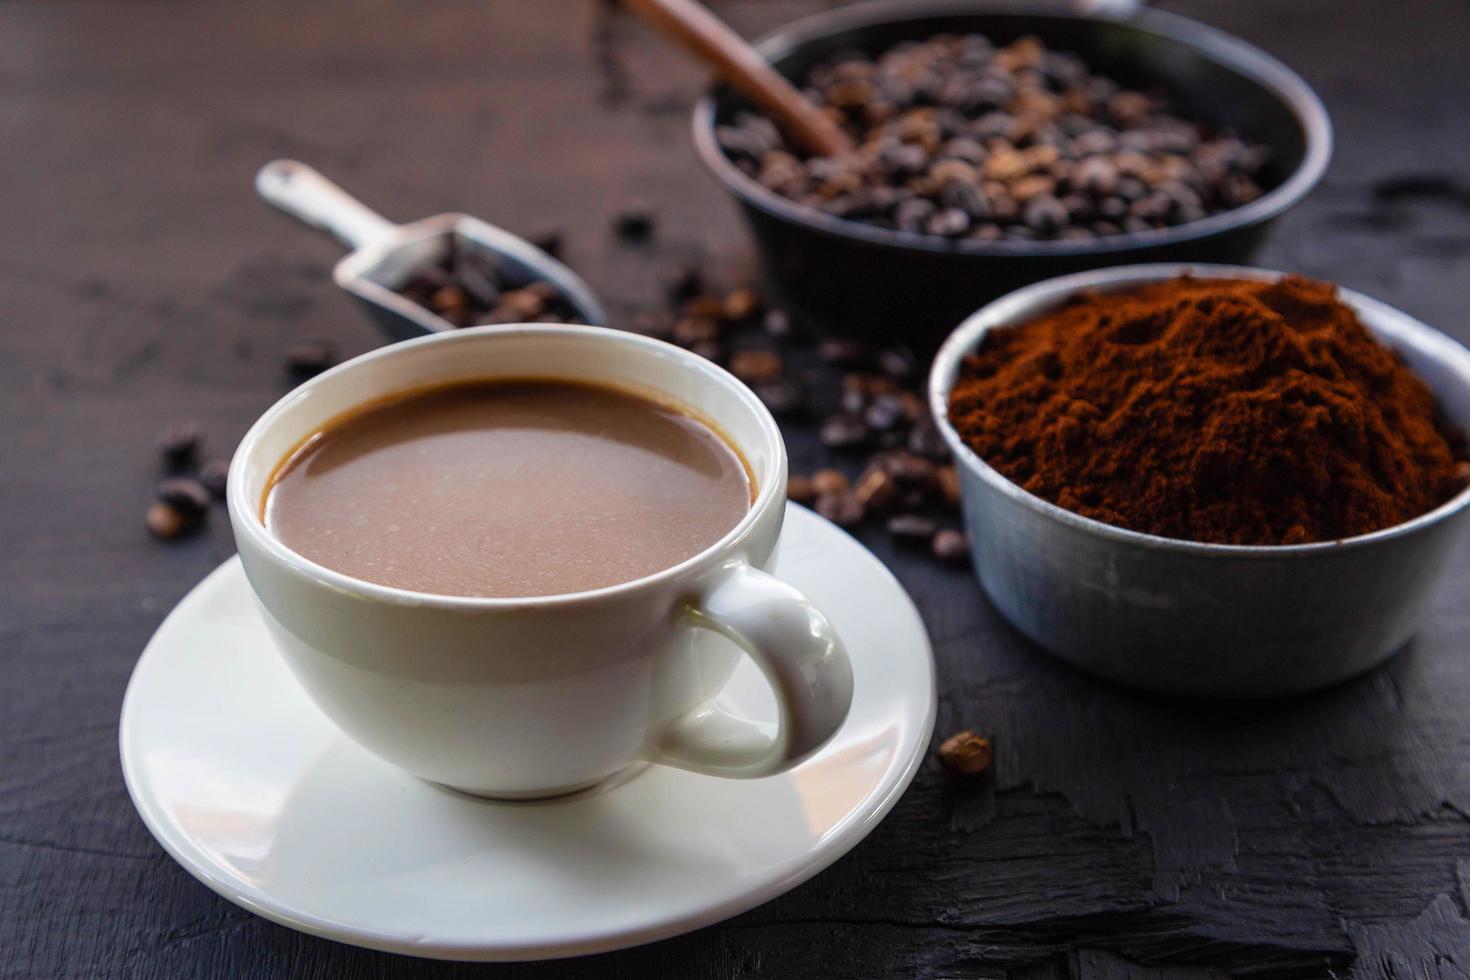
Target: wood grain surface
x,y
141,281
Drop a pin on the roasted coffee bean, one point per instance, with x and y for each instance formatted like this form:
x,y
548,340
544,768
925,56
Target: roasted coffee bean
x,y
686,283
185,495
843,431
783,396
635,222
710,350
165,522
475,278
310,357
951,546
843,352
914,529
842,509
215,476
800,489
885,412
898,363
910,469
777,324
876,489
692,330
741,304
966,754
548,240
830,481
705,306
755,365
948,481
654,324
959,139
179,443
926,440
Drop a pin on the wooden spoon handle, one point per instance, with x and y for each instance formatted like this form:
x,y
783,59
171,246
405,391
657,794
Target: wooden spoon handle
x,y
708,38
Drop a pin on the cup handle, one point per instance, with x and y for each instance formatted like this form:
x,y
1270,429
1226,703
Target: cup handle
x,y
802,658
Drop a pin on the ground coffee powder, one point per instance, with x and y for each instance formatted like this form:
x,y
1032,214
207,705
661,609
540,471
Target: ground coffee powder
x,y
1236,412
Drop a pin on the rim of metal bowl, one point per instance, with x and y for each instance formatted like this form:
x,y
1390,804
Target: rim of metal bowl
x,y
1033,300
1208,42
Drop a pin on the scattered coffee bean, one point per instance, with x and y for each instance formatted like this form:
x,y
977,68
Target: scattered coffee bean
x,y
548,240
925,440
783,396
843,352
710,350
179,443
801,489
966,754
842,509
742,304
167,522
654,324
309,357
635,222
911,470
898,363
705,306
185,495
875,489
962,140
686,283
948,480
830,482
755,365
885,412
777,324
912,529
951,546
691,330
843,431
215,476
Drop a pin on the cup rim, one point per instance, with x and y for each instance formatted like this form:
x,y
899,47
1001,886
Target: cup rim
x,y
1031,300
247,520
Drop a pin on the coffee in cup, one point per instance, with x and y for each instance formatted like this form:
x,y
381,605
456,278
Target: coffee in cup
x,y
508,487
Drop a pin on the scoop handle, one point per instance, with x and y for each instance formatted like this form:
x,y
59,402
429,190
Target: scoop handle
x,y
304,193
690,24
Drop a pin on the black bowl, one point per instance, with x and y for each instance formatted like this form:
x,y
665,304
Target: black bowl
x,y
894,285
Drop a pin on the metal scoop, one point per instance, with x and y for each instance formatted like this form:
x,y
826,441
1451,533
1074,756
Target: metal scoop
x,y
385,256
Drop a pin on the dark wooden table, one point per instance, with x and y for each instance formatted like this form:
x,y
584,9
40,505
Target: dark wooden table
x,y
141,281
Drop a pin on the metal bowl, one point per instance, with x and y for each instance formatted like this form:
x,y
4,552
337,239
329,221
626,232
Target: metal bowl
x,y
896,285
1183,616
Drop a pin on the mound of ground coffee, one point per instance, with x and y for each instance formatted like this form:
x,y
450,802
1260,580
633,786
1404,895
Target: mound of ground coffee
x,y
1235,412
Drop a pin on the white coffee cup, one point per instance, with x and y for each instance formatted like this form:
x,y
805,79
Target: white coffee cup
x,y
530,697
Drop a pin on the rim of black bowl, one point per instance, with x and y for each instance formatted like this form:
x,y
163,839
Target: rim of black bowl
x,y
1224,49
1030,301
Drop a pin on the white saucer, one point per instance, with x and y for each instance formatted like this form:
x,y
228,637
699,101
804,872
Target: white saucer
x,y
257,795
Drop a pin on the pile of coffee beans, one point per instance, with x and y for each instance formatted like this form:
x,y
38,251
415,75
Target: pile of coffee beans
x,y
467,288
962,140
906,479
183,498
